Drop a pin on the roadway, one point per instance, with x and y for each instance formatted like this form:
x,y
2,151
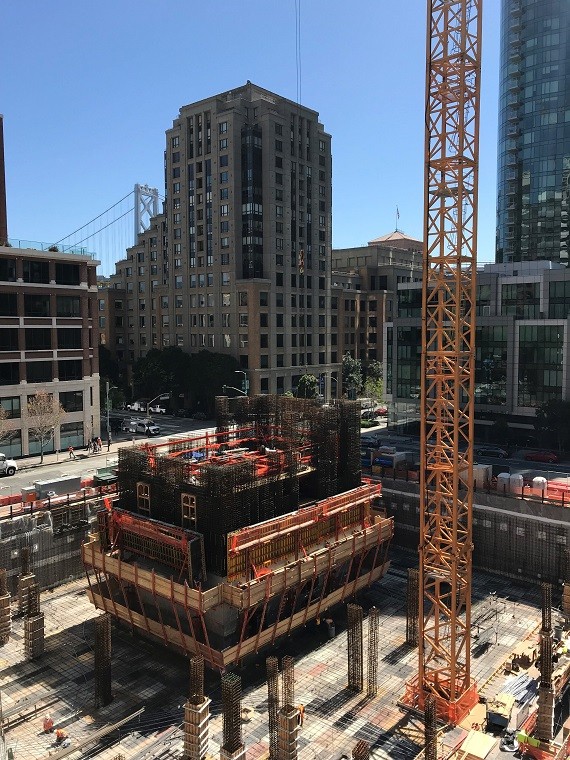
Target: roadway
x,y
515,464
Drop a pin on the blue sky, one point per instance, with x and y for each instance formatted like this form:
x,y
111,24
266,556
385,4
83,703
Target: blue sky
x,y
89,89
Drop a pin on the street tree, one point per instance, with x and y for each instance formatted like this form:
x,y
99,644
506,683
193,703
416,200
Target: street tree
x,y
5,432
308,386
209,372
553,419
45,414
351,375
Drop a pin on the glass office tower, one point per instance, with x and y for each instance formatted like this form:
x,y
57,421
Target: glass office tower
x,y
534,131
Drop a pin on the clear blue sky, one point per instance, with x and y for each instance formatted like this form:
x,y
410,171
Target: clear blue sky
x,y
88,90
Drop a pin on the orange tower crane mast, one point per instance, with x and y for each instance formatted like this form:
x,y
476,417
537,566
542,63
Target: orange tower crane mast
x,y
448,345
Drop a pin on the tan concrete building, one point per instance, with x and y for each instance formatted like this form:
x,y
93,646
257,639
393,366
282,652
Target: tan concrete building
x,y
364,289
48,307
239,262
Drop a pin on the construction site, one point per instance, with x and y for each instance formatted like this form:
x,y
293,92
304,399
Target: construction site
x,y
248,594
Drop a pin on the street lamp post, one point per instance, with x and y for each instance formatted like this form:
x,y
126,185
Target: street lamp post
x,y
244,383
107,389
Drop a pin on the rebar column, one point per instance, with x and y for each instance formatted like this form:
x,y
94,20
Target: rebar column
x,y
288,681
33,624
196,679
372,671
25,580
289,717
545,714
354,650
231,707
361,751
5,609
412,600
196,714
102,664
566,585
430,728
272,703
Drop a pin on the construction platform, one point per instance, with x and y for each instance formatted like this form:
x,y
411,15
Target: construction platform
x,y
61,682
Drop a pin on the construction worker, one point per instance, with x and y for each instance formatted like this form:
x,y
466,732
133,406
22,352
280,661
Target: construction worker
x,y
48,723
60,735
301,716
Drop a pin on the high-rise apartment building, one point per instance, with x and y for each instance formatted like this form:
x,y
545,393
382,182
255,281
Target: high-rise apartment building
x,y
239,262
534,131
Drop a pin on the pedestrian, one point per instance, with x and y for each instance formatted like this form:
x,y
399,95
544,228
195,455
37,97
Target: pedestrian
x,y
99,444
89,446
71,453
108,443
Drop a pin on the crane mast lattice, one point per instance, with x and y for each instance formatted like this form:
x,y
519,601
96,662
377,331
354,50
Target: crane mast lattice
x,y
447,373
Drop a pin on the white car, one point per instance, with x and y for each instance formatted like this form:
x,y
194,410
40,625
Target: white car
x,y
147,428
157,409
7,466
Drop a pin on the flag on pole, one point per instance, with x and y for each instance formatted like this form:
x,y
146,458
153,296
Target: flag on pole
x,y
397,213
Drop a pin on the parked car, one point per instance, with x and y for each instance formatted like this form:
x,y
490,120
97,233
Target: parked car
x,y
381,411
129,426
157,409
542,456
490,451
137,406
370,441
147,428
7,466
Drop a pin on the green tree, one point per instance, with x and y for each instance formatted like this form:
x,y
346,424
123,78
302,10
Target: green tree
x,y
208,372
108,367
308,386
501,430
552,421
351,375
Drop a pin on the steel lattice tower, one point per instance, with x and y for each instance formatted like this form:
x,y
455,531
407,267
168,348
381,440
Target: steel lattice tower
x,y
448,337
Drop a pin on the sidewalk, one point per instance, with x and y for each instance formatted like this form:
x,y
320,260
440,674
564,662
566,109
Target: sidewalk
x,y
61,457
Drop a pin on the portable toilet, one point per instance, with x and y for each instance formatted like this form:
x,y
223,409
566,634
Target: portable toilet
x,y
539,486
503,482
516,483
482,475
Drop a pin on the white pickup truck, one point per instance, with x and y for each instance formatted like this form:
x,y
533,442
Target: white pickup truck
x,y
137,406
7,466
157,409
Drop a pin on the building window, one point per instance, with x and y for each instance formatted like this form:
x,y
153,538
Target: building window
x,y
223,127
36,305
69,338
11,405
72,401
36,271
224,176
39,372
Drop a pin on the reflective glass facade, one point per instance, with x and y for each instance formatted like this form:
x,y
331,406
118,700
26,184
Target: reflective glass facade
x,y
534,131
